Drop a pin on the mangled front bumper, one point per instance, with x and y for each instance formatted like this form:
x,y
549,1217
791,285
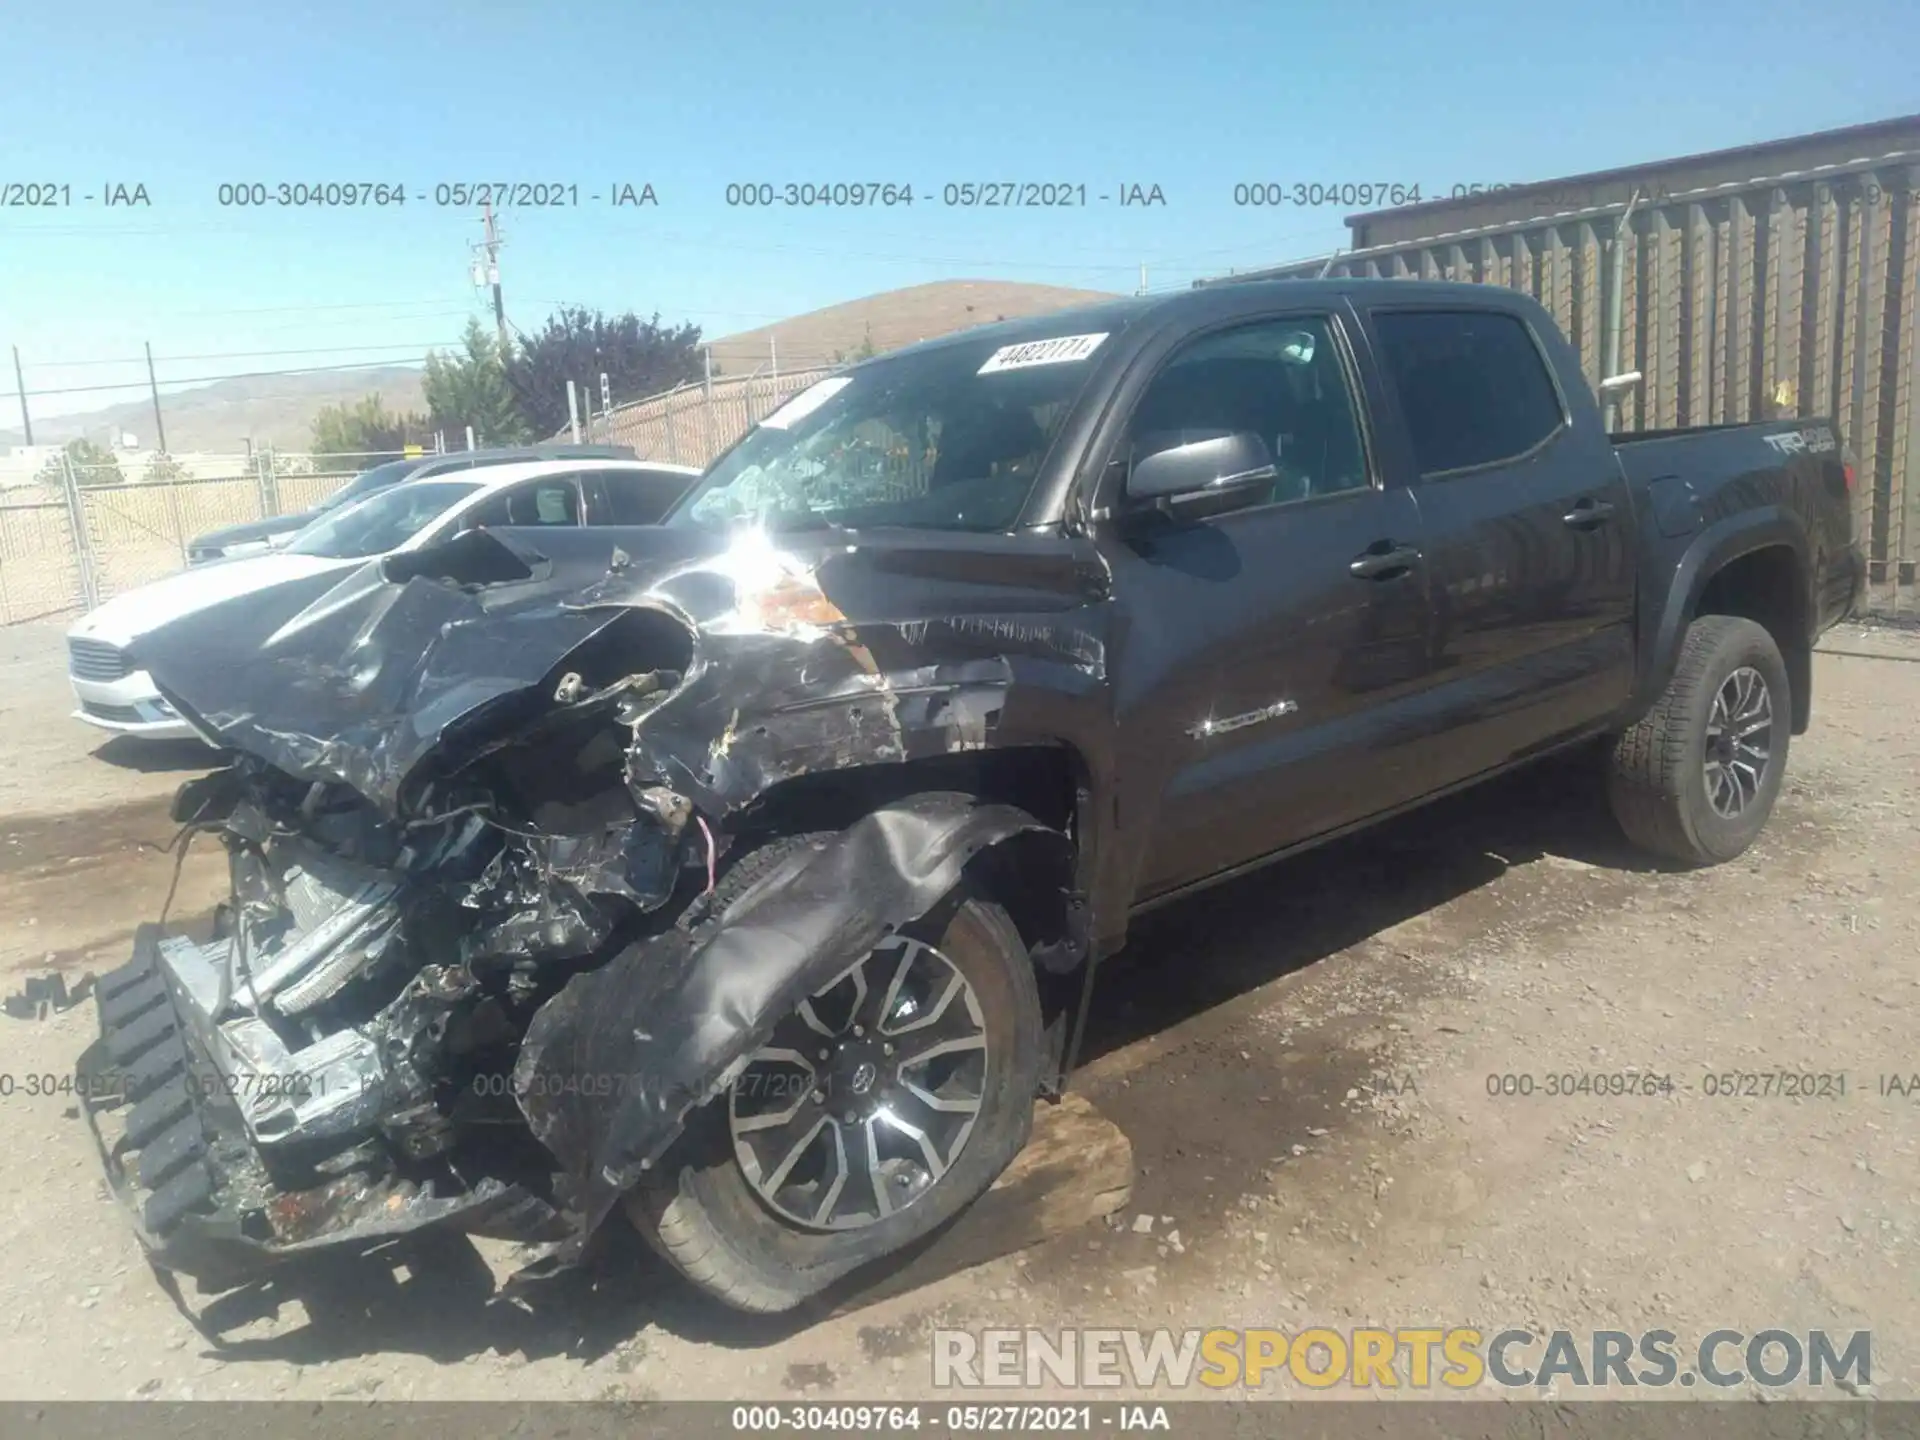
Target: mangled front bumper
x,y
632,725
187,1122
176,1122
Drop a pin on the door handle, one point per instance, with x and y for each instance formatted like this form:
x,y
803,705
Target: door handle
x,y
1587,514
1384,560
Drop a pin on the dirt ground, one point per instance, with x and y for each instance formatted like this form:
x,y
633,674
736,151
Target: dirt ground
x,y
1301,1061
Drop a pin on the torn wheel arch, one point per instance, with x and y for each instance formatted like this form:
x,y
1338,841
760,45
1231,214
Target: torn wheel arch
x,y
613,1065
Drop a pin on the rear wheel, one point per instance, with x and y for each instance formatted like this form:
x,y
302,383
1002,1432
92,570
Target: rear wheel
x,y
875,1113
1696,778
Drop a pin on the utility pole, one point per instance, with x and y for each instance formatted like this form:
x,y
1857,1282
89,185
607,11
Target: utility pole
x,y
486,271
20,384
1616,294
153,388
707,391
1143,279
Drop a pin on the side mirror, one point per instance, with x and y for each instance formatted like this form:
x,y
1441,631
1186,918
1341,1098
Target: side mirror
x,y
1178,468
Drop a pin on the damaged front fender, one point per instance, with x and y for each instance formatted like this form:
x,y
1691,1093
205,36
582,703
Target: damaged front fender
x,y
612,1066
477,797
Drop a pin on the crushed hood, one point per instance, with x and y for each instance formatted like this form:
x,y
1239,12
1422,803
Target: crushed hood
x,y
808,652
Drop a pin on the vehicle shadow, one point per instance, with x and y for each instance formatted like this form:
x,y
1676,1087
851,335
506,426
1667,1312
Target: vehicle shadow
x,y
436,1295
1218,944
151,757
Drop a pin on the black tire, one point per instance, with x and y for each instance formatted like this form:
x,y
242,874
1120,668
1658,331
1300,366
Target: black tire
x,y
698,1209
1657,782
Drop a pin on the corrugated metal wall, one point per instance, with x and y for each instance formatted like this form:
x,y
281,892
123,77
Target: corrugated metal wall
x,y
1793,295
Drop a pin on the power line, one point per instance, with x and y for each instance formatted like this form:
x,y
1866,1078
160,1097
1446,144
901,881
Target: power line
x,y
415,348
440,301
707,242
490,247
204,379
350,305
670,237
313,350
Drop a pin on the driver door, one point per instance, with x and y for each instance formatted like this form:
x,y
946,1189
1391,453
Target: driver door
x,y
1273,647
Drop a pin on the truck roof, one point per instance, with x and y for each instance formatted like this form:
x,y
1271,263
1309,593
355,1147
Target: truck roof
x,y
1450,291
1206,297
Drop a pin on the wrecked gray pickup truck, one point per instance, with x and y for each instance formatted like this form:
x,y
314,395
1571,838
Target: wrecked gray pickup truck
x,y
747,873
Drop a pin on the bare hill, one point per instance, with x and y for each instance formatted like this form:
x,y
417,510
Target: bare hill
x,y
893,318
220,417
279,409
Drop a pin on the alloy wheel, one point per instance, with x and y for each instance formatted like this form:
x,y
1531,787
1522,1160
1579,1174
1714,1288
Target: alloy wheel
x,y
1739,741
864,1097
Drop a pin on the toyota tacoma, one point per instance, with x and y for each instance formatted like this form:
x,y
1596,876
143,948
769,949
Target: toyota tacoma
x,y
747,874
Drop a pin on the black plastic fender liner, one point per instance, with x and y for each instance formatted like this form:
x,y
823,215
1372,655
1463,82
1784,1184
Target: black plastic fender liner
x,y
1676,581
613,1064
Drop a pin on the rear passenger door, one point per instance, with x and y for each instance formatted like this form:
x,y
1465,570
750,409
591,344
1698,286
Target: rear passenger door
x,y
1528,526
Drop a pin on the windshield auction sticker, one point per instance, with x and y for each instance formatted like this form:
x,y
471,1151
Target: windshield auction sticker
x,y
806,402
1061,351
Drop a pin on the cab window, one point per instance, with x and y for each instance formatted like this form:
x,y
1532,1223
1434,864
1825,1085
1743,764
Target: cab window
x,y
1281,380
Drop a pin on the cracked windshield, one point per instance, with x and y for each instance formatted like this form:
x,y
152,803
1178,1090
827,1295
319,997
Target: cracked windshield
x,y
936,440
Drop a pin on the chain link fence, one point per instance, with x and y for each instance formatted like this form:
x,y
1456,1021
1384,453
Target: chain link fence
x,y
69,542
692,423
85,534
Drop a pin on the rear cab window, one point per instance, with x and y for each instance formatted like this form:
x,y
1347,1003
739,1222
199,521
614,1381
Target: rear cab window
x,y
1473,388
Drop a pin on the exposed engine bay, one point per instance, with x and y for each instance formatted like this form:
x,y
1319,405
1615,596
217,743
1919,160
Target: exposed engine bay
x,y
472,971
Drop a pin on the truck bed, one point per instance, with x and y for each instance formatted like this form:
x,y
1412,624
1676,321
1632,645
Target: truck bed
x,y
1695,476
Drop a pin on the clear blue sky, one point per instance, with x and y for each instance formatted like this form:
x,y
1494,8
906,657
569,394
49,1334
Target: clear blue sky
x,y
1191,95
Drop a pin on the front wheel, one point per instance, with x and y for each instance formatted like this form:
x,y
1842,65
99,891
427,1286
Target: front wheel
x,y
876,1112
1696,778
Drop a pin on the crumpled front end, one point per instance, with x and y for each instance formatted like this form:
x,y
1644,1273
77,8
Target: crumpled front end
x,y
332,1065
467,975
185,1121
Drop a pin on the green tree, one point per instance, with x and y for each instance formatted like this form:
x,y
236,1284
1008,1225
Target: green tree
x,y
865,350
639,358
162,468
471,388
92,465
367,427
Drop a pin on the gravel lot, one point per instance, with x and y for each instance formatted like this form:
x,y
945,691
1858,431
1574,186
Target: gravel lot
x,y
1300,1060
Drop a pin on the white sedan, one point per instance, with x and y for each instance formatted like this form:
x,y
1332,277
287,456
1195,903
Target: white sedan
x,y
115,695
